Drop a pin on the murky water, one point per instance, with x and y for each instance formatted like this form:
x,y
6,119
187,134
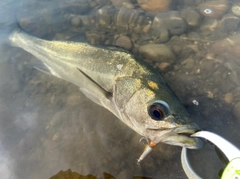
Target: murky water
x,y
48,125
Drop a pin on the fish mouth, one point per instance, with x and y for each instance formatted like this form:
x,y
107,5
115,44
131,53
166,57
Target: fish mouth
x,y
186,131
181,136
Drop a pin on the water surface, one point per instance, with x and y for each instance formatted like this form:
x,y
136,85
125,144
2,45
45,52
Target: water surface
x,y
48,125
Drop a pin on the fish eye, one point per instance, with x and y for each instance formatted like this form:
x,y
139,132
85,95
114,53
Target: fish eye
x,y
158,110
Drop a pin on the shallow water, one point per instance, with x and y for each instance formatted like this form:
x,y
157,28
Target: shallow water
x,y
48,125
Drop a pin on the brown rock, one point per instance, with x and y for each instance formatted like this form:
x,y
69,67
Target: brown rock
x,y
188,64
146,28
59,36
209,24
192,17
236,9
228,98
124,42
123,3
163,66
214,9
207,66
210,56
228,46
76,21
155,5
157,52
229,24
172,21
159,34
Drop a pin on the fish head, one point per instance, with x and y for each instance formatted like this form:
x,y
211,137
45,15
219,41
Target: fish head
x,y
156,113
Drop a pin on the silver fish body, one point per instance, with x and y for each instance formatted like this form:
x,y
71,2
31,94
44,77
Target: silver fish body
x,y
116,80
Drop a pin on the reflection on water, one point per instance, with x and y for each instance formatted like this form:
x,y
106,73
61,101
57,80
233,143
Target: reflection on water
x,y
47,125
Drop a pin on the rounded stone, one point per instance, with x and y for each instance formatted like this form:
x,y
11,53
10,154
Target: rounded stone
x,y
188,64
155,5
76,21
207,66
157,52
164,66
228,98
124,42
192,17
172,21
159,35
236,10
123,3
214,9
146,28
229,24
227,47
210,56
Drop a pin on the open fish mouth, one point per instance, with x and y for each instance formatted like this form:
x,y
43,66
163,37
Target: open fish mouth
x,y
188,133
181,136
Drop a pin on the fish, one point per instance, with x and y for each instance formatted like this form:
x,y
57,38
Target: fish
x,y
120,82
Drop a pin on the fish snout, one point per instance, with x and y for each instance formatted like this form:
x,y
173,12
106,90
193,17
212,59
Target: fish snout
x,y
181,136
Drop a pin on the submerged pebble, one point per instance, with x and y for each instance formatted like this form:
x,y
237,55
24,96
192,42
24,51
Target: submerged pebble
x,y
229,24
192,17
124,42
228,98
123,3
210,56
188,64
209,24
157,52
228,46
159,34
172,21
214,9
164,66
76,20
155,5
207,65
236,10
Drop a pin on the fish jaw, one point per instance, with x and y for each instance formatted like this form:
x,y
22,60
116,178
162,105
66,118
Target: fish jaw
x,y
178,136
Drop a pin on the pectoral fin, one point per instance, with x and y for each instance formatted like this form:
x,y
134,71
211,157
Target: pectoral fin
x,y
43,68
97,93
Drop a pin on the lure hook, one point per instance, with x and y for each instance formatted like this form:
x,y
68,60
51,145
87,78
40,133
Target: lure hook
x,y
146,151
